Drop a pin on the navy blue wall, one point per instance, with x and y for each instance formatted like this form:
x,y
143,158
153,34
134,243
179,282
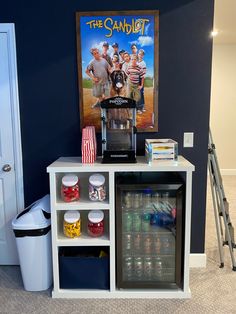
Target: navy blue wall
x,y
47,73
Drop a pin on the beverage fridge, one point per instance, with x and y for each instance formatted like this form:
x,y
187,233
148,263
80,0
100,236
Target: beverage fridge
x,y
149,230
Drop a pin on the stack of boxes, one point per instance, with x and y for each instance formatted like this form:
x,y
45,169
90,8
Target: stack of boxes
x,y
161,149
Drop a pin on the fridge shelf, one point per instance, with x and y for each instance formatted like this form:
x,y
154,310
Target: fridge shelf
x,y
133,254
154,231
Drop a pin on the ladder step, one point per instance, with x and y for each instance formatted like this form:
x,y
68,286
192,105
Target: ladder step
x,y
226,205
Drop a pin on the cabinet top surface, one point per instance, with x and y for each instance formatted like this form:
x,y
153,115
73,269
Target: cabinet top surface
x,y
64,164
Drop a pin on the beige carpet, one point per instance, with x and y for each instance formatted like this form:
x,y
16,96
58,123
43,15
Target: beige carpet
x,y
213,289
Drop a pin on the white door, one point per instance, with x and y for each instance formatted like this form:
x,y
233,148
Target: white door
x,y
11,195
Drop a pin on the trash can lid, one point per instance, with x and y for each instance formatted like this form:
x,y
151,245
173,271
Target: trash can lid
x,y
43,203
33,217
31,220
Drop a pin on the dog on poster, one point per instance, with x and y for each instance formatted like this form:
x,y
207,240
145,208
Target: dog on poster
x,y
118,83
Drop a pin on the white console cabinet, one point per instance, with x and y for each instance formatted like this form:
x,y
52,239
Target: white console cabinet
x,y
66,165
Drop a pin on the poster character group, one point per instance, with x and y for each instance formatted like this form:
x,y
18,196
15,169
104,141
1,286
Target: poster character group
x,y
117,55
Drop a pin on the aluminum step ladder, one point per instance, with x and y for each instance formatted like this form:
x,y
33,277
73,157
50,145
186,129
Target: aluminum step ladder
x,y
221,206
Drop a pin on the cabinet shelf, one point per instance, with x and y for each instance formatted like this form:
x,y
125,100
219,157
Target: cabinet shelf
x,y
82,204
83,240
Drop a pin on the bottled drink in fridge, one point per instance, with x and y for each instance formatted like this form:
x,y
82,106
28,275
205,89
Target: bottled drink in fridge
x,y
138,268
127,220
147,198
137,200
147,243
167,244
165,196
137,238
128,199
158,270
127,242
146,217
156,198
156,244
148,269
128,268
136,221
147,209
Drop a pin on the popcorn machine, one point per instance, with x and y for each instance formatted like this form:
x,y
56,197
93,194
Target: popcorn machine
x,y
118,115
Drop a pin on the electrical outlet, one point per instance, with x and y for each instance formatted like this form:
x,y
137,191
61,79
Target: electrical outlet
x,y
188,139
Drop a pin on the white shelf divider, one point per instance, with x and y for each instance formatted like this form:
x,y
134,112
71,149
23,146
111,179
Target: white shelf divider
x,y
82,205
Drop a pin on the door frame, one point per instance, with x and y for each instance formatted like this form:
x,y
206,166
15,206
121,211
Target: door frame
x,y
9,28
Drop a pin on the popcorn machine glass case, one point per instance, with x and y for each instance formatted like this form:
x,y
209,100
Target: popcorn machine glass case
x,y
118,115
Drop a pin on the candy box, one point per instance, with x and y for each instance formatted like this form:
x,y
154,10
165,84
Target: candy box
x,y
161,149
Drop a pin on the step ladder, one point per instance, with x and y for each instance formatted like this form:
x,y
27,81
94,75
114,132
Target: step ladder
x,y
221,206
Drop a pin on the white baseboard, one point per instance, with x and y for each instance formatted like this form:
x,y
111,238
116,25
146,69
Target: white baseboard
x,y
228,172
197,260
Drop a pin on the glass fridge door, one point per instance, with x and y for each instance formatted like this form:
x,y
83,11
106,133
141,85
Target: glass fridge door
x,y
149,236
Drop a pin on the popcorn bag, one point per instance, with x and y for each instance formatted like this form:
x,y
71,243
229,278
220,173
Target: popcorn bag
x,y
91,132
89,145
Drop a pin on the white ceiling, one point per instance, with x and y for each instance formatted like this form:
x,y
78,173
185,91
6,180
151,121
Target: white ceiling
x,y
225,21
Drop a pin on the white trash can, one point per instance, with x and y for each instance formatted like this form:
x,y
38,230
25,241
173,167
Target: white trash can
x,y
32,229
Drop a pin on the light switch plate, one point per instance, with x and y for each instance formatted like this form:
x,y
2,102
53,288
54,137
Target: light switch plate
x,y
188,139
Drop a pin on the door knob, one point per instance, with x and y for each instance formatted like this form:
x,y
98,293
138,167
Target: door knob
x,y
6,168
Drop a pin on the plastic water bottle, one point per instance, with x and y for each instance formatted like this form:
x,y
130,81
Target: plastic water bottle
x,y
147,205
156,198
127,221
148,268
128,268
138,268
136,221
147,198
